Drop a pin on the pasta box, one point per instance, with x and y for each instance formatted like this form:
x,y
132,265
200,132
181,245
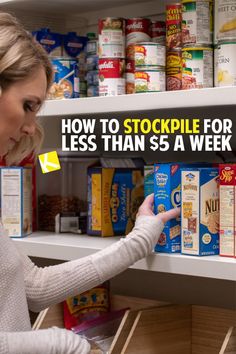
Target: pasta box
x,y
114,196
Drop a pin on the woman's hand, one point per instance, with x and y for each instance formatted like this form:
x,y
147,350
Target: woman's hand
x,y
147,209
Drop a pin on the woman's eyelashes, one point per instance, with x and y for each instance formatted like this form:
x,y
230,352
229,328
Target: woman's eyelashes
x,y
30,106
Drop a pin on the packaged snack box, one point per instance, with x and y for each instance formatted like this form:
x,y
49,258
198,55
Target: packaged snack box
x,y
114,196
200,211
16,200
148,180
227,209
167,177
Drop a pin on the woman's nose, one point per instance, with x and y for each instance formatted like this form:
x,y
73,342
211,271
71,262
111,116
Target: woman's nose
x,y
29,128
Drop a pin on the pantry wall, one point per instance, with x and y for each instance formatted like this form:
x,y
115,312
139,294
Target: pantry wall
x,y
171,287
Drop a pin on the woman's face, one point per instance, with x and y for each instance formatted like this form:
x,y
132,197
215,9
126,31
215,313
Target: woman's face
x,y
19,104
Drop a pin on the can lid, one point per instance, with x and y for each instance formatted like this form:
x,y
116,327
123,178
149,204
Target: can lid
x,y
138,19
149,68
186,1
151,44
91,35
232,41
197,47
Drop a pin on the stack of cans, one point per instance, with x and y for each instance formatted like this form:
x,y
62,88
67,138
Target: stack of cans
x,y
197,37
173,47
225,43
145,65
111,56
189,45
92,66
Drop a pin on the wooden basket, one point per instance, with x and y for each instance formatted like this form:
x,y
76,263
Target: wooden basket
x,y
152,327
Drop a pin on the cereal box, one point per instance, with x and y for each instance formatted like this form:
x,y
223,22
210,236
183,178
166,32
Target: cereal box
x,y
200,211
167,196
114,195
227,206
148,180
16,200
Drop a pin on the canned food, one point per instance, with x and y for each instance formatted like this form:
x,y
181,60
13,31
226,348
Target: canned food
x,y
92,47
197,67
150,81
158,32
174,58
112,38
197,22
225,69
82,86
173,25
137,30
149,54
111,77
225,19
129,76
92,91
174,78
92,77
92,62
66,79
174,69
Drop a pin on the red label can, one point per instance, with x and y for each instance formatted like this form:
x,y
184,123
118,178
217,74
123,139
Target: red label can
x,y
138,30
111,77
129,75
158,32
174,25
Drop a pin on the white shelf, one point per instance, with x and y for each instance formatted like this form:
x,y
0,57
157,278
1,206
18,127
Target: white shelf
x,y
141,102
69,247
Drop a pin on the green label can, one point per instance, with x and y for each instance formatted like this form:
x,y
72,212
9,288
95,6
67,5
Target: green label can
x,y
197,23
197,70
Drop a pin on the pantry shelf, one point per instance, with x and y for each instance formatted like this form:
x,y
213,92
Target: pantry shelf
x,y
68,247
222,96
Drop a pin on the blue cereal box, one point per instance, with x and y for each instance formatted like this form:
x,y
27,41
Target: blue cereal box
x,y
114,196
148,180
200,211
16,200
167,178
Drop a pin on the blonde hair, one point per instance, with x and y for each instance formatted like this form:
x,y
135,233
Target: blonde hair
x,y
20,56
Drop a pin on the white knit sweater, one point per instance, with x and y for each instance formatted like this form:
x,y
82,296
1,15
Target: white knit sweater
x,y
25,286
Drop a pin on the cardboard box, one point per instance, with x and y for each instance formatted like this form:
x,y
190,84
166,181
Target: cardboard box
x,y
114,196
16,200
167,177
148,180
200,211
227,209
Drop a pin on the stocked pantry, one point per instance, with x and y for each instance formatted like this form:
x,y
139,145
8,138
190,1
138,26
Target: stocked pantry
x,y
189,281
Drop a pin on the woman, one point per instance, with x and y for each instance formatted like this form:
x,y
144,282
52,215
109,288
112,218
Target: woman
x,y
25,77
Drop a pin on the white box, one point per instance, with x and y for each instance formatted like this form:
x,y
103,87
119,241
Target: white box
x,y
16,200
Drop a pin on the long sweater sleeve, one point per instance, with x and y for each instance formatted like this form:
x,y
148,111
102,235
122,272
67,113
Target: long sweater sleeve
x,y
46,341
50,285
